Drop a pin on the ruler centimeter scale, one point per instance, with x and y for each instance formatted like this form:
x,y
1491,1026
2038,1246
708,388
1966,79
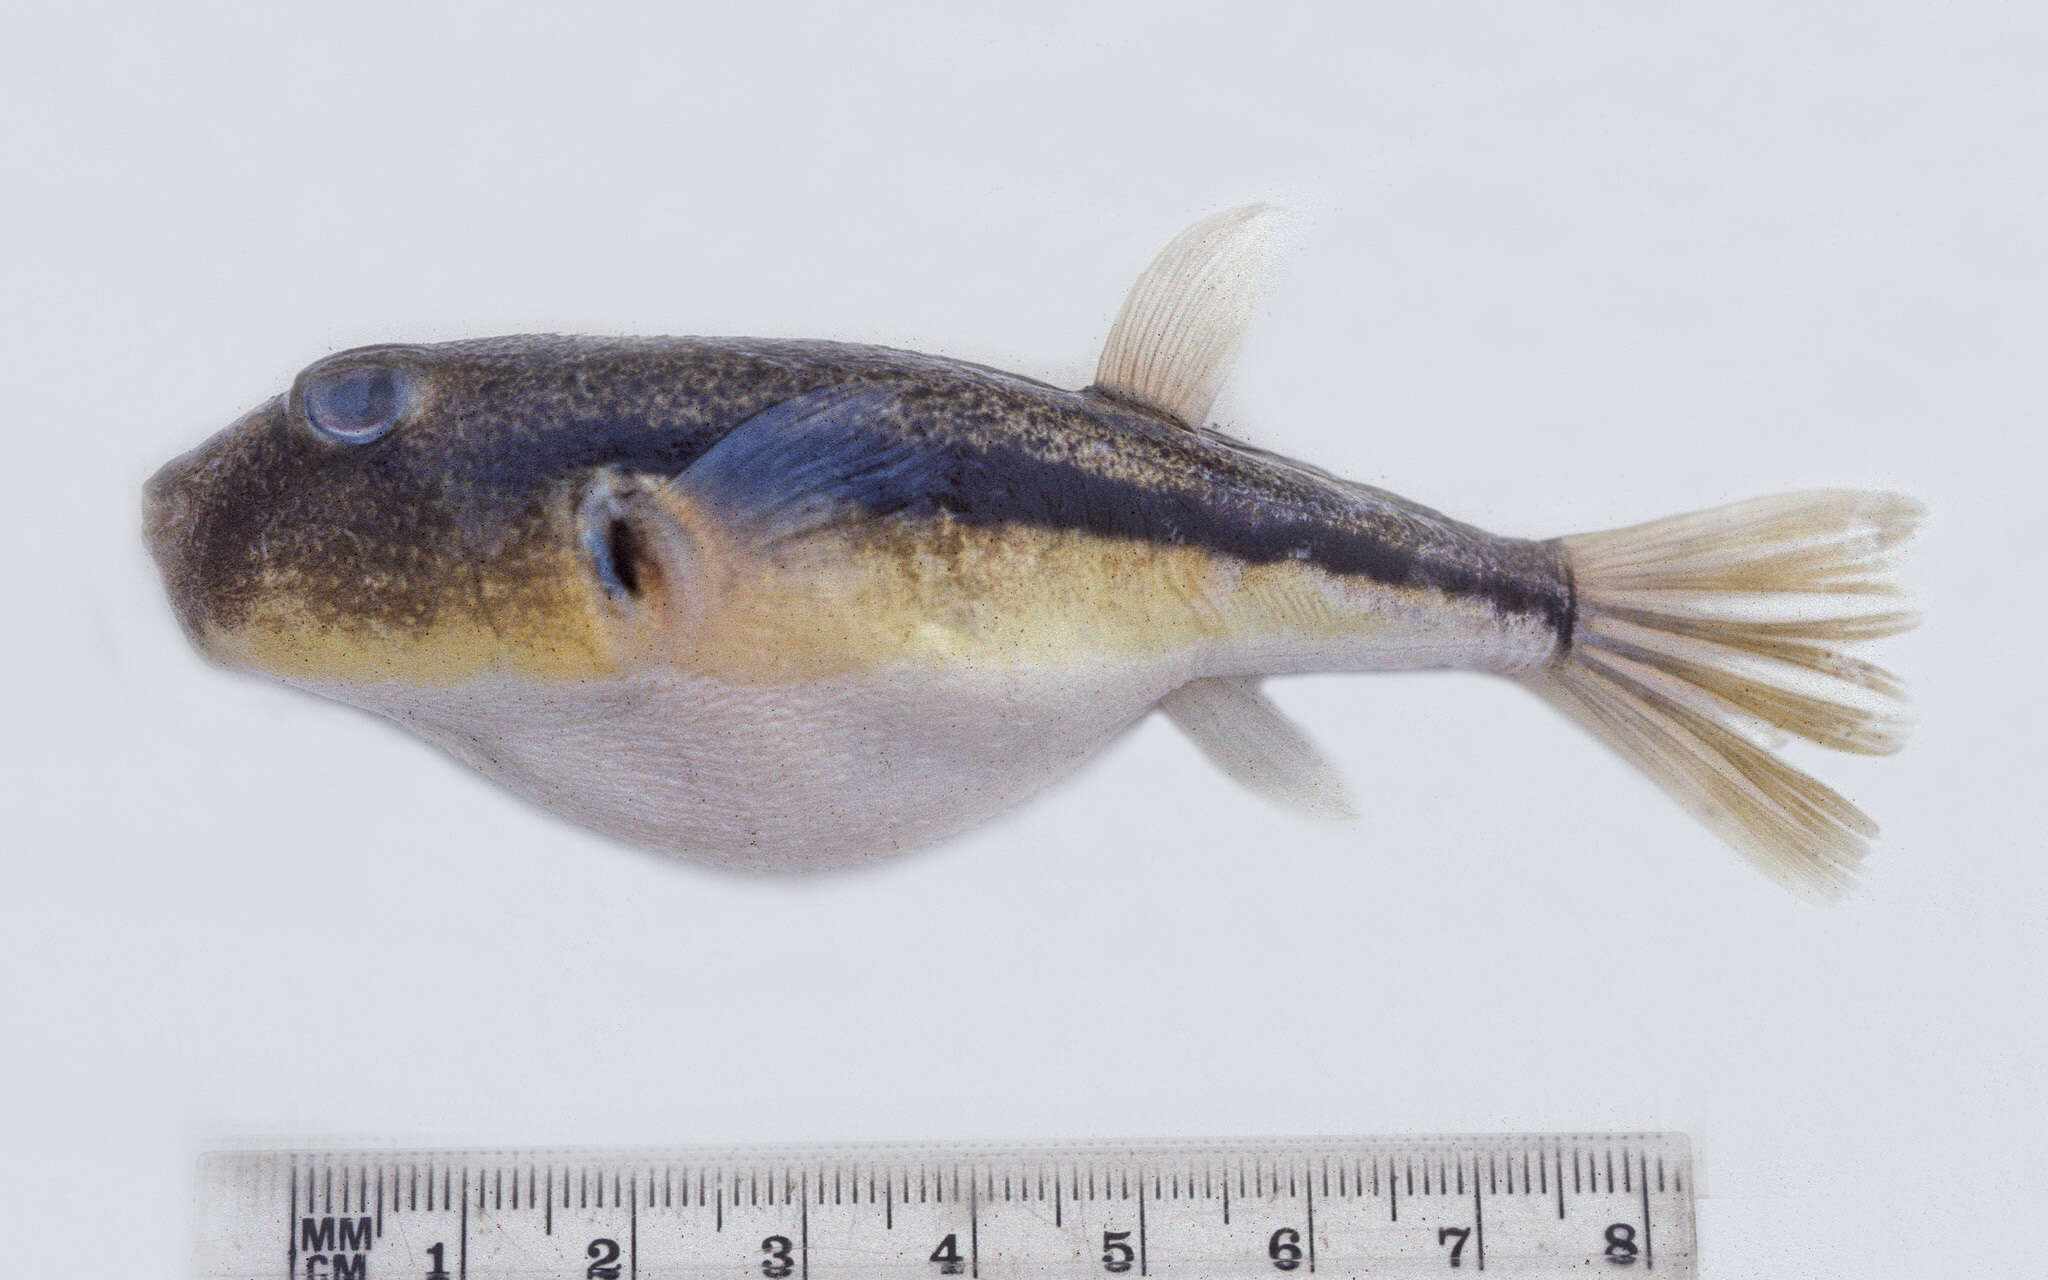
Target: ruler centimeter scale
x,y
1516,1206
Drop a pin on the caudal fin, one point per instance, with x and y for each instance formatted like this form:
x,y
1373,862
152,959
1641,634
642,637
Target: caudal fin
x,y
1701,640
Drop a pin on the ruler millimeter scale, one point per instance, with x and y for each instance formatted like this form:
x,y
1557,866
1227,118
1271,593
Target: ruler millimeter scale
x,y
1616,1205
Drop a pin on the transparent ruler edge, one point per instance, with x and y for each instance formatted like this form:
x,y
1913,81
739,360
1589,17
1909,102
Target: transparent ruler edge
x,y
1382,1205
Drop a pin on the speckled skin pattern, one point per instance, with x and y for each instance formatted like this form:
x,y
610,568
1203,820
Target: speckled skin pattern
x,y
459,522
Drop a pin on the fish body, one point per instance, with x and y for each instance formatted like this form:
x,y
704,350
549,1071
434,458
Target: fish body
x,y
793,604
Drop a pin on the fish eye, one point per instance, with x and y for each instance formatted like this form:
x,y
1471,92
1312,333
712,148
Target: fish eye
x,y
615,544
353,406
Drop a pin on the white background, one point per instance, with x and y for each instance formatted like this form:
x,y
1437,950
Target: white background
x,y
1563,267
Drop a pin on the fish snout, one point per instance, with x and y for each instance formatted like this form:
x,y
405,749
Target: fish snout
x,y
170,509
166,509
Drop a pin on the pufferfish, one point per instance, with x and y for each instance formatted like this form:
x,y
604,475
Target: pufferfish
x,y
795,604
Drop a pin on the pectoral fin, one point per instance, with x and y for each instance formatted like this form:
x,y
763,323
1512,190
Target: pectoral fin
x,y
1249,738
811,461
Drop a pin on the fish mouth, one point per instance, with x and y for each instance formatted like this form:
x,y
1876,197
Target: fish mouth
x,y
166,511
169,520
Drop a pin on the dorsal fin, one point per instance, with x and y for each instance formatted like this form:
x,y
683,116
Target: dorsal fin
x,y
1174,340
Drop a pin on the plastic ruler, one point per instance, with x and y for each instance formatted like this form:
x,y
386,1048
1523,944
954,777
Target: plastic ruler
x,y
1616,1205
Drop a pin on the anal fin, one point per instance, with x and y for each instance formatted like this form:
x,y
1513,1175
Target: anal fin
x,y
1246,736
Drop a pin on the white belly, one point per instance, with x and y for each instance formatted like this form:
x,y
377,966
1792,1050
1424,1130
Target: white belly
x,y
785,777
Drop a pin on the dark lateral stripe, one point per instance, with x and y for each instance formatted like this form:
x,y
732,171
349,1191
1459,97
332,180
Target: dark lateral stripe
x,y
917,453
863,445
1002,485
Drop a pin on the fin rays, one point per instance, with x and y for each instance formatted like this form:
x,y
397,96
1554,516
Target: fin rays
x,y
1174,340
1702,639
1241,731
